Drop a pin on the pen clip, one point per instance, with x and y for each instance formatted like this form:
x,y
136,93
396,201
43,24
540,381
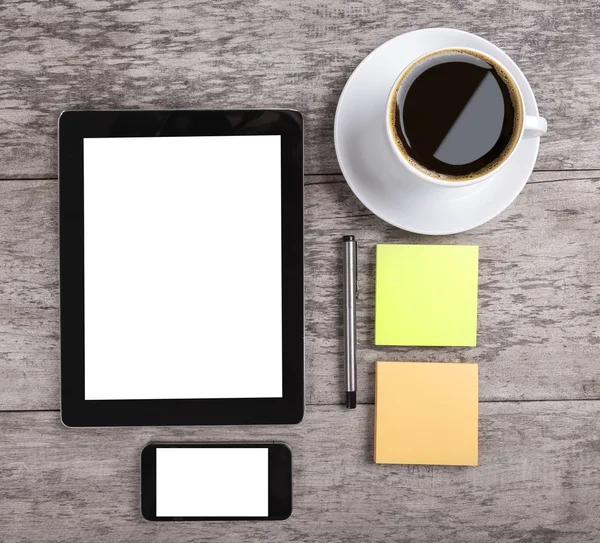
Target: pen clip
x,y
356,268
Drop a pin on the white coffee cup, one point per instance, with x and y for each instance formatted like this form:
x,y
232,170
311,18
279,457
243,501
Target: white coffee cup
x,y
526,126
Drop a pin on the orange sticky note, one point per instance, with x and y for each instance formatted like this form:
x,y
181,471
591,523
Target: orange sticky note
x,y
426,413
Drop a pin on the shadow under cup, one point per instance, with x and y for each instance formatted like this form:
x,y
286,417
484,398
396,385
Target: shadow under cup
x,y
454,116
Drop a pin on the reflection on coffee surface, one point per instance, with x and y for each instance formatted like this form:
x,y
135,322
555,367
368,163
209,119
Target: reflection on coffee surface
x,y
458,118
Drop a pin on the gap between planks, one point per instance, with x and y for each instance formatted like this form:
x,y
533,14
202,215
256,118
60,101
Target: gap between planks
x,y
562,400
594,171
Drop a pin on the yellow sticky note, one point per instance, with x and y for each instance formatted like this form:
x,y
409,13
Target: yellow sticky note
x,y
426,295
426,413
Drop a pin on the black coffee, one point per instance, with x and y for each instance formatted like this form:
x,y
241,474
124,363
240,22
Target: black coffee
x,y
458,117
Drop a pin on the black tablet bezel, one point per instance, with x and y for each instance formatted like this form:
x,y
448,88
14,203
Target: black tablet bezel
x,y
280,479
74,126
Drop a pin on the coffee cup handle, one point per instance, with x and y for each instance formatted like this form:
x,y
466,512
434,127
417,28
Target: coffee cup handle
x,y
534,126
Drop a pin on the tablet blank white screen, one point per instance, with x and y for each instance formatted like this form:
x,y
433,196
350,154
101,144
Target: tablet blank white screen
x,y
182,261
212,482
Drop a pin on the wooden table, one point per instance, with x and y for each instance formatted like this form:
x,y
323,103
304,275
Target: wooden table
x,y
539,326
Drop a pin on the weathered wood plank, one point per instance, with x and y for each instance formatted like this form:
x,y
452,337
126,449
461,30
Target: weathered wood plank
x,y
537,481
156,54
539,294
29,322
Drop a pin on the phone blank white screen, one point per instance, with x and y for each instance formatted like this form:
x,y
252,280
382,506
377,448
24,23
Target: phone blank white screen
x,y
182,264
220,482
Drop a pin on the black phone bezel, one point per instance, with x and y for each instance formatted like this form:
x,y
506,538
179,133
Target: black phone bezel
x,y
280,480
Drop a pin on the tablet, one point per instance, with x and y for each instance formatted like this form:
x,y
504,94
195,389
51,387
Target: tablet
x,y
181,267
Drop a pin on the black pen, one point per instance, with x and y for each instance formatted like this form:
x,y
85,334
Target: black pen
x,y
350,293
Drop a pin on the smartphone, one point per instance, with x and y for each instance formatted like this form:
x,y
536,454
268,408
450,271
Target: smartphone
x,y
216,481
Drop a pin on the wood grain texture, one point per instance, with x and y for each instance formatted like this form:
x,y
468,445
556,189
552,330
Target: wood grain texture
x,y
536,482
539,293
539,301
539,335
189,54
29,301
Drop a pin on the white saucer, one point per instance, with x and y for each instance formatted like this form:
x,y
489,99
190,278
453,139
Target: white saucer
x,y
381,182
